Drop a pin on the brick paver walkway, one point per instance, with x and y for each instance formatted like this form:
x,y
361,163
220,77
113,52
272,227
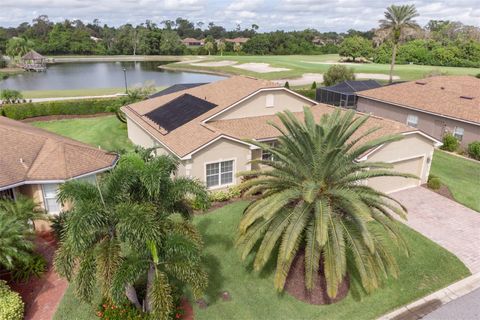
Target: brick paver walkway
x,y
446,222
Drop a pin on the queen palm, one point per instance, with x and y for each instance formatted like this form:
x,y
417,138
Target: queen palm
x,y
312,200
398,20
133,225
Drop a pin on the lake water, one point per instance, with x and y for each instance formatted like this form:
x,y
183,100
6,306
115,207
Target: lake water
x,y
84,75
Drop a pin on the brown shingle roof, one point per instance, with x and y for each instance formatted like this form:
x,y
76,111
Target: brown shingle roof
x,y
194,134
32,154
452,96
258,128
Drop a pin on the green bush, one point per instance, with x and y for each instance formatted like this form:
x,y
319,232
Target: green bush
x,y
338,73
474,150
21,111
34,268
450,143
11,304
309,93
434,182
225,195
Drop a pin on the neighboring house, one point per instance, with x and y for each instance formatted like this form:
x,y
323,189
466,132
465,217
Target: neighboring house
x,y
33,162
344,94
205,129
238,40
175,88
434,105
192,42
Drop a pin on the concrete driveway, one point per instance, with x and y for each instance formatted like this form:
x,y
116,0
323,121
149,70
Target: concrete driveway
x,y
446,222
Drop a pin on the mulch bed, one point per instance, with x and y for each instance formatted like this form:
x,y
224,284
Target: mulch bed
x,y
295,284
443,191
66,116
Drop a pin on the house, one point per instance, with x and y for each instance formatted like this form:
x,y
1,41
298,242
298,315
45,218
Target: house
x,y
205,128
192,42
34,162
434,105
344,94
175,88
239,40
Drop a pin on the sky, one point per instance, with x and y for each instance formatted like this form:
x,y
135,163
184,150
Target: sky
x,y
323,15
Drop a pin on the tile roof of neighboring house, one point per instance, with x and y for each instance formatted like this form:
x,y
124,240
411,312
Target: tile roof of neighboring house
x,y
259,128
451,96
194,134
31,154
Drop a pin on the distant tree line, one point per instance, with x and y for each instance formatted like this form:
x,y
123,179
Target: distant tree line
x,y
443,43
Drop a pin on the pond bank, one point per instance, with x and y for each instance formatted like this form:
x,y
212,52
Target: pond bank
x,y
67,59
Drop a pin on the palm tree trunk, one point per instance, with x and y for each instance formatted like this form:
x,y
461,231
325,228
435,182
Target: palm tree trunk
x,y
394,55
131,294
150,277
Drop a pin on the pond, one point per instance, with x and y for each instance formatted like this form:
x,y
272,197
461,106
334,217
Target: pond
x,y
86,75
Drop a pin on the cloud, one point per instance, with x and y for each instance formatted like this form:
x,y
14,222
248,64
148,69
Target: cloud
x,y
324,15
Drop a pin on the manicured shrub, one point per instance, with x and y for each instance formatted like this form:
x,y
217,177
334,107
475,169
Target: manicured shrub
x,y
474,150
287,85
10,96
434,182
309,93
11,304
225,195
450,143
21,111
33,268
314,85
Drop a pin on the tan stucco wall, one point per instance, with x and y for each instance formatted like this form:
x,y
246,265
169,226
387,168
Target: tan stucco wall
x,y
33,191
256,105
140,137
414,149
432,125
220,150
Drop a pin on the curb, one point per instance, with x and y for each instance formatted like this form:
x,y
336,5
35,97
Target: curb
x,y
422,307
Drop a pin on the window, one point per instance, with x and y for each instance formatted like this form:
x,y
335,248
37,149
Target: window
x,y
458,133
50,198
219,173
7,194
266,155
412,120
270,100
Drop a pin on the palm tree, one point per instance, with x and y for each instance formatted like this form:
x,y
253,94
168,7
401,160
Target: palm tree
x,y
24,208
209,46
398,20
312,199
221,47
133,225
237,47
18,46
15,241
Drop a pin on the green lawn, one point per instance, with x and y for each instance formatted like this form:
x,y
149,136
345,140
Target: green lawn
x,y
429,268
461,176
32,94
300,64
107,131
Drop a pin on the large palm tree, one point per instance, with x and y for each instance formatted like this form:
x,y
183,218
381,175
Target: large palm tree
x,y
133,225
398,20
313,199
16,245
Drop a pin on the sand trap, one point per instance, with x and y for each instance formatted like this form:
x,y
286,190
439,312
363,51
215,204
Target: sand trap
x,y
223,63
259,67
375,76
331,62
307,78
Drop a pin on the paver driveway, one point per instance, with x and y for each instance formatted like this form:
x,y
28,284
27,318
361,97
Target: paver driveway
x,y
448,223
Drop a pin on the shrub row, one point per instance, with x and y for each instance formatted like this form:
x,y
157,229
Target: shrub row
x,y
20,111
11,304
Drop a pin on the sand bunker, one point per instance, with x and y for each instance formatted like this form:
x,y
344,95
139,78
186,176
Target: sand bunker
x,y
259,67
375,76
223,63
308,78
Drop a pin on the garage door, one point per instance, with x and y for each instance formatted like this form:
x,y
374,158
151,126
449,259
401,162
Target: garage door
x,y
391,184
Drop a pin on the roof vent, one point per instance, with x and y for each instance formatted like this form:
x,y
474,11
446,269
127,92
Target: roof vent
x,y
422,83
466,97
443,88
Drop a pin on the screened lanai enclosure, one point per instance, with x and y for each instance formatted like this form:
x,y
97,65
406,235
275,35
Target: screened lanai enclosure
x,y
344,94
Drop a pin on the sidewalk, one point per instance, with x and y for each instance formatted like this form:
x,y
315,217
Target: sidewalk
x,y
422,307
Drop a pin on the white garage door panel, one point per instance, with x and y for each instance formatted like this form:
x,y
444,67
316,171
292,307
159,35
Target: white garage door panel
x,y
390,184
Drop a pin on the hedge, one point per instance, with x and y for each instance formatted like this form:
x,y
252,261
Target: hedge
x,y
11,304
21,111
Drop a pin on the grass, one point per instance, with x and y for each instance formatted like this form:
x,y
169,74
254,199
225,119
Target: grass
x,y
428,269
33,94
460,175
300,64
106,131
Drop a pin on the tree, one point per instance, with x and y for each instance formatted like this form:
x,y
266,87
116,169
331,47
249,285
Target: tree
x,y
221,47
237,47
398,21
336,74
18,46
312,200
355,47
209,46
24,208
131,231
